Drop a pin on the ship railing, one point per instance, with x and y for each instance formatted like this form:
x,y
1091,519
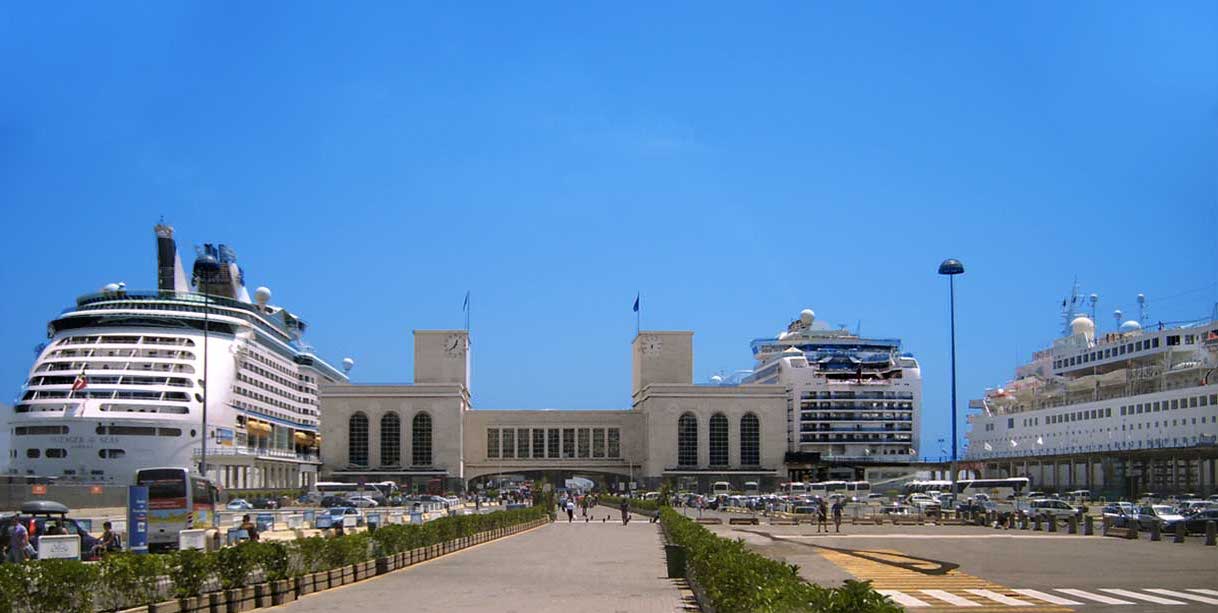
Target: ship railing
x,y
257,452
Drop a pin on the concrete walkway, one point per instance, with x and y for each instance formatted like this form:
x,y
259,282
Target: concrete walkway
x,y
586,567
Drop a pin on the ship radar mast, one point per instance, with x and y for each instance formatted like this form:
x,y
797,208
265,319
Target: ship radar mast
x,y
1068,309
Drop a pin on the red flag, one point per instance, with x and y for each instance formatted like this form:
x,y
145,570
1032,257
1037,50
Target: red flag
x,y
81,381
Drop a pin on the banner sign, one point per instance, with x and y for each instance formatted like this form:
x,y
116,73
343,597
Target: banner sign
x,y
137,518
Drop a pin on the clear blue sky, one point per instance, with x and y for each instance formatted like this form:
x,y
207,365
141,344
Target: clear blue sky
x,y
733,163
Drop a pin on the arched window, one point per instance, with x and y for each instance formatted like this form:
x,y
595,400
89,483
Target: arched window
x,y
687,440
391,440
357,440
750,440
420,440
718,440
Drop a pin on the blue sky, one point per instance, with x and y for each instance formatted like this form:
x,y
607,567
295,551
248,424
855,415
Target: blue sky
x,y
734,164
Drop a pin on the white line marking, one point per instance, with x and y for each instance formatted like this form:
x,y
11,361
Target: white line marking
x,y
1186,596
903,599
1201,591
1049,598
1131,594
950,598
1090,596
1000,598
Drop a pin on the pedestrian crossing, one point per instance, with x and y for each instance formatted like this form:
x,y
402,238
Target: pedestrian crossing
x,y
1007,599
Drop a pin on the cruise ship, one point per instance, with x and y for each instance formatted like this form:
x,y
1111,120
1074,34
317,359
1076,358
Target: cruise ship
x,y
851,399
132,379
1138,387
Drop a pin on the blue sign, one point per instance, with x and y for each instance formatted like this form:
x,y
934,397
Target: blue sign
x,y
323,521
374,518
137,518
266,522
308,517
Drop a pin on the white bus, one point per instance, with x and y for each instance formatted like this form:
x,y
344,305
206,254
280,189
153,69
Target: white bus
x,y
996,489
922,487
721,488
751,488
177,501
336,488
794,488
858,490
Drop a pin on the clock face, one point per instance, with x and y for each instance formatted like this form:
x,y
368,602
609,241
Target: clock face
x,y
454,345
652,345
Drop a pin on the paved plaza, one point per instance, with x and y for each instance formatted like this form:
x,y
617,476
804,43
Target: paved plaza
x,y
588,567
930,568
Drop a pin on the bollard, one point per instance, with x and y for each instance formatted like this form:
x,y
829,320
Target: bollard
x,y
1154,532
1088,525
1023,520
1036,524
1072,525
1052,523
1180,532
1211,533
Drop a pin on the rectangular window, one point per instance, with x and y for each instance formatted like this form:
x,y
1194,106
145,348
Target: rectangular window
x,y
1154,342
1010,422
492,442
522,443
552,443
1192,402
598,442
509,443
615,443
585,443
539,443
1108,412
568,442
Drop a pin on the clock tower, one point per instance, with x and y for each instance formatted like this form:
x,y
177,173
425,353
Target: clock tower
x,y
441,356
662,357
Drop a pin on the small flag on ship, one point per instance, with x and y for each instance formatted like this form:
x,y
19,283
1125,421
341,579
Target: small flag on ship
x,y
81,381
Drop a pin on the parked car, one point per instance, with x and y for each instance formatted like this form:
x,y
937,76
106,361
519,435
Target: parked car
x,y
1195,523
239,504
1049,507
48,517
1189,507
363,502
332,501
1120,516
1161,514
265,503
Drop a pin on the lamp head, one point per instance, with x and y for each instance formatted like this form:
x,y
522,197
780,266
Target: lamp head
x,y
951,266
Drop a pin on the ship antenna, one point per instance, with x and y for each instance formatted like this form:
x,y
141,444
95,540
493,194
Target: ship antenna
x,y
1142,309
1068,306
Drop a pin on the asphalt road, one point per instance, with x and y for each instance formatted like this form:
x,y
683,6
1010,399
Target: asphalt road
x,y
981,568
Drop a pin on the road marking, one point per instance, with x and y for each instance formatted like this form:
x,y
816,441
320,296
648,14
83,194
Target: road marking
x,y
903,599
1176,594
1000,598
1202,591
1089,596
1129,594
1050,598
950,598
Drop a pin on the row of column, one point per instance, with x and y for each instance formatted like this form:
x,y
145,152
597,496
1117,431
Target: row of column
x,y
266,475
1171,475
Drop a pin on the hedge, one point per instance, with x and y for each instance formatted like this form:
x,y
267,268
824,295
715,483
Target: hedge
x,y
124,580
735,579
638,504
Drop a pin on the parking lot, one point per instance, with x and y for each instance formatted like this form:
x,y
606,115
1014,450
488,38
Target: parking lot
x,y
936,567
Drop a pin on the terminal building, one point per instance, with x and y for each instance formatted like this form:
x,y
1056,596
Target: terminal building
x,y
760,428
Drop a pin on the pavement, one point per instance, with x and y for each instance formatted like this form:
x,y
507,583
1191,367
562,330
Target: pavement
x,y
590,567
939,568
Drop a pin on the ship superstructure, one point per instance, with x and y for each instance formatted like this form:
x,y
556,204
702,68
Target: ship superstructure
x,y
850,398
122,381
1140,386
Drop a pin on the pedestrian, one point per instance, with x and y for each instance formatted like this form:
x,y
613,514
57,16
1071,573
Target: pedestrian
x,y
570,510
822,510
252,530
837,515
625,508
109,540
18,541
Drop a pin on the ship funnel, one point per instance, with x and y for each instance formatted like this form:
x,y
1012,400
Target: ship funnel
x,y
170,275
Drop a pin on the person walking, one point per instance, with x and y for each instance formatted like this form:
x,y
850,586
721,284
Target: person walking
x,y
570,510
625,508
822,510
18,541
837,515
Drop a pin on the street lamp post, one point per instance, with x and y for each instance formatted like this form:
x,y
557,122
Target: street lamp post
x,y
952,267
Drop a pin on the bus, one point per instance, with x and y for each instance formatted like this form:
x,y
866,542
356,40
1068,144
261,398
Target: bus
x,y
751,488
922,487
337,488
858,490
177,501
721,488
995,489
794,488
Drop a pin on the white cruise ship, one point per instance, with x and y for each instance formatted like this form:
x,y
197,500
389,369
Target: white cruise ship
x,y
1141,386
851,399
122,382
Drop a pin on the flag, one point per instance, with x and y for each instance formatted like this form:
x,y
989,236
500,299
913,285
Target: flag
x,y
636,303
988,447
1040,440
1013,443
81,381
465,305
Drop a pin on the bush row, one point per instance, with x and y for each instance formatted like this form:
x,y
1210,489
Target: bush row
x,y
637,504
735,579
124,580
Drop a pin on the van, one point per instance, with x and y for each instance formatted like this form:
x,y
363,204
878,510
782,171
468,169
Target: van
x,y
1056,509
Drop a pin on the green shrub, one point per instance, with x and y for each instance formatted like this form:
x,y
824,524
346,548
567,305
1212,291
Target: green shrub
x,y
233,565
56,586
129,579
738,580
272,556
189,569
310,556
